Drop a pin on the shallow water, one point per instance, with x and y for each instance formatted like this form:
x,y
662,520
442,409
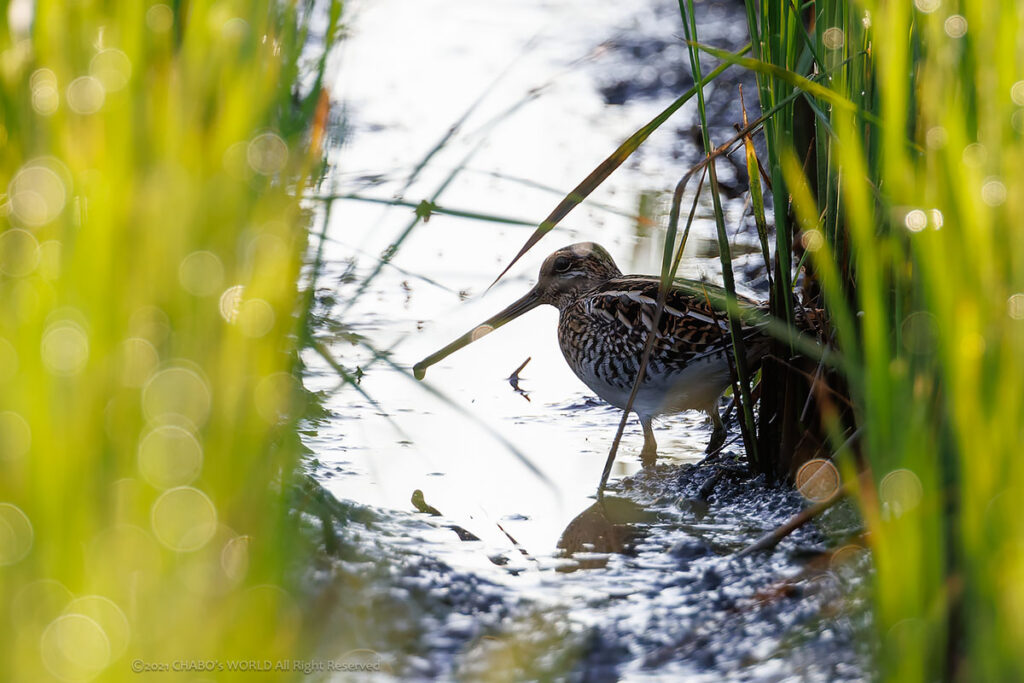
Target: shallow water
x,y
550,89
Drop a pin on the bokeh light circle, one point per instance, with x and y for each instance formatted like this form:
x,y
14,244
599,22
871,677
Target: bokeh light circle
x,y
935,137
1017,120
45,100
65,348
480,331
1017,93
975,155
109,616
235,161
833,38
41,78
137,358
817,480
919,332
267,154
1015,306
234,29
38,192
159,18
901,491
184,519
112,68
86,95
993,191
230,302
15,436
19,252
75,647
812,240
846,555
267,253
170,456
201,273
16,534
955,26
234,558
255,318
915,220
177,391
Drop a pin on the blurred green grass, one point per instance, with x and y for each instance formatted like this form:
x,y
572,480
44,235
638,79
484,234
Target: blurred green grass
x,y
907,185
151,237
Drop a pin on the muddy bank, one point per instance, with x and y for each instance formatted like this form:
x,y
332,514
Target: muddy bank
x,y
675,601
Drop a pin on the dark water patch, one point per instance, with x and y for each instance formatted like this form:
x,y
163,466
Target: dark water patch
x,y
649,60
653,46
653,61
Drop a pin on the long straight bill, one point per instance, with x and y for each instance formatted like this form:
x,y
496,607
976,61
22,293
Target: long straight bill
x,y
530,301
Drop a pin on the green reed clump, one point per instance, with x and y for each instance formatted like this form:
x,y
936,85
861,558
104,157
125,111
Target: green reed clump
x,y
151,236
907,183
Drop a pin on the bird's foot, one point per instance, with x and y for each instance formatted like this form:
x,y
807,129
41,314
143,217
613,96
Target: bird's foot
x,y
648,456
717,440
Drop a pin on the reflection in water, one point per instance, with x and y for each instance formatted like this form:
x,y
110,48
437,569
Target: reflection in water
x,y
514,380
610,525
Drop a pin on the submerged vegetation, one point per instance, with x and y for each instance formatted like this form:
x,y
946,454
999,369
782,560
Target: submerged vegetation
x,y
151,238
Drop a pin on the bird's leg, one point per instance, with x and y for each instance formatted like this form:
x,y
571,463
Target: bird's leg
x,y
650,452
718,435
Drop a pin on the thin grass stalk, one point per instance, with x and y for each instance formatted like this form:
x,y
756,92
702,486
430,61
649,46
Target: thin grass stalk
x,y
666,281
757,196
425,209
745,403
612,162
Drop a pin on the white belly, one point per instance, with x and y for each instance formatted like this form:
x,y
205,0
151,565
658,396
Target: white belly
x,y
696,387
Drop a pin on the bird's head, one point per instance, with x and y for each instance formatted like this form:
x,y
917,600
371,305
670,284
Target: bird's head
x,y
571,272
565,275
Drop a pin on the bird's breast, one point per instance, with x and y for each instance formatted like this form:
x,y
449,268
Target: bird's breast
x,y
603,347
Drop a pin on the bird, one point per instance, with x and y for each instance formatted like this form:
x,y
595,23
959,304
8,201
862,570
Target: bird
x,y
604,320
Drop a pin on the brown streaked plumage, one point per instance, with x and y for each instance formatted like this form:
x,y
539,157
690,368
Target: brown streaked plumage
x,y
604,321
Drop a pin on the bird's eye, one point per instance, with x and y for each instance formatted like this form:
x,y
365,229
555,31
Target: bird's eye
x,y
562,264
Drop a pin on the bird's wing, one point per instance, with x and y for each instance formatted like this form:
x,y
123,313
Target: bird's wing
x,y
693,322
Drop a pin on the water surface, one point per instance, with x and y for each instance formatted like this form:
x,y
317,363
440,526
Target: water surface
x,y
520,101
